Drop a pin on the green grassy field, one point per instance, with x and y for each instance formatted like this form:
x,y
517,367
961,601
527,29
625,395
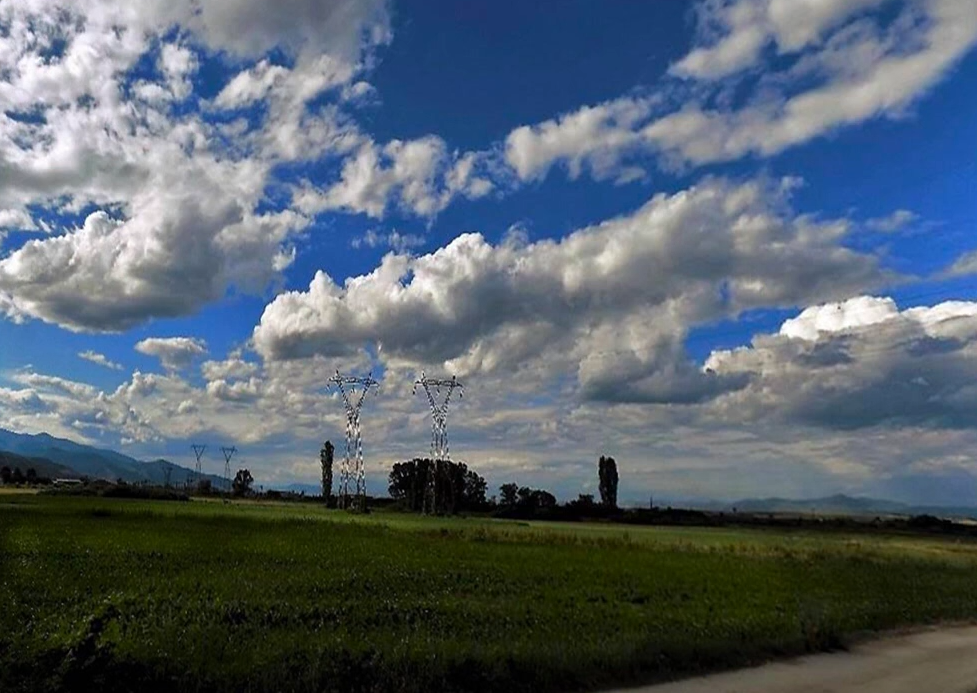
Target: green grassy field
x,y
108,595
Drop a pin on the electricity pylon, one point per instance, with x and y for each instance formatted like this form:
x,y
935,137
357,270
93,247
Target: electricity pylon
x,y
353,461
439,429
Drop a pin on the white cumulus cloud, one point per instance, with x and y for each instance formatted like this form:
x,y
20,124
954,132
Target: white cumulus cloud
x,y
612,300
175,353
175,196
859,363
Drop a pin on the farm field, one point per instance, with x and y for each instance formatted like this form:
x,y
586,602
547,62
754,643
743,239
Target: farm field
x,y
102,594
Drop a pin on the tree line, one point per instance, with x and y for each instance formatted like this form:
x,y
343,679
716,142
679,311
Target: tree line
x,y
446,487
16,477
523,501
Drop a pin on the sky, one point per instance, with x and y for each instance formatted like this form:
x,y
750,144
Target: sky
x,y
729,242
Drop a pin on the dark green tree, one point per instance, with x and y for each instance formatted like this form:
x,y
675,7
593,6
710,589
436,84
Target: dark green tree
x,y
17,477
241,486
31,476
5,474
543,500
585,500
450,481
533,499
406,483
475,489
607,472
457,488
508,494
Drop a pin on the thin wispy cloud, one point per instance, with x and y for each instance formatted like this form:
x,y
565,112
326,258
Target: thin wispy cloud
x,y
100,359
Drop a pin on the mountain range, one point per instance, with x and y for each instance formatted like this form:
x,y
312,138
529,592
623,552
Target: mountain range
x,y
838,504
60,458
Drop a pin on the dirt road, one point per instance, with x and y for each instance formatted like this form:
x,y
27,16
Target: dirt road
x,y
935,661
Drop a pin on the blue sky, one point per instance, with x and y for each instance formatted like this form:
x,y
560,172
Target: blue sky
x,y
733,237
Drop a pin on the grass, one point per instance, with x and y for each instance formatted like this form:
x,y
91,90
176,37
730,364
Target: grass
x,y
102,594
15,491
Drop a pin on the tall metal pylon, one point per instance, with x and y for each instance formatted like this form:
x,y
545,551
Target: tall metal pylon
x,y
228,454
198,451
433,388
352,465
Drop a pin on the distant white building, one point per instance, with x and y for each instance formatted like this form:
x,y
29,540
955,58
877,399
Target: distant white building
x,y
68,482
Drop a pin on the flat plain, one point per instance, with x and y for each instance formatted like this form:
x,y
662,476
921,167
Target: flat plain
x,y
102,594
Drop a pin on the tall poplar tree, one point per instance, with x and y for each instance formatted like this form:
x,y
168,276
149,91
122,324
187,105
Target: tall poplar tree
x,y
325,459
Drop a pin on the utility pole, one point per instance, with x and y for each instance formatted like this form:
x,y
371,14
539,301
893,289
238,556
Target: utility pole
x,y
353,461
439,429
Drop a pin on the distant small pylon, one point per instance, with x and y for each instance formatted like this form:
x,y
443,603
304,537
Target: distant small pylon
x,y
198,451
228,454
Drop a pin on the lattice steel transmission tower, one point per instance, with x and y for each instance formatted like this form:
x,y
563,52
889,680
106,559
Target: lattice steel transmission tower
x,y
198,451
352,465
228,454
433,388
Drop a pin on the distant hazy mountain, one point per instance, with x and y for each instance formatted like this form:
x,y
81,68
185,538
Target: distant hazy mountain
x,y
85,460
841,504
307,489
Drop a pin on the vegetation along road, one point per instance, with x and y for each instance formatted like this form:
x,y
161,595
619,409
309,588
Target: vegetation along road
x,y
941,661
108,594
